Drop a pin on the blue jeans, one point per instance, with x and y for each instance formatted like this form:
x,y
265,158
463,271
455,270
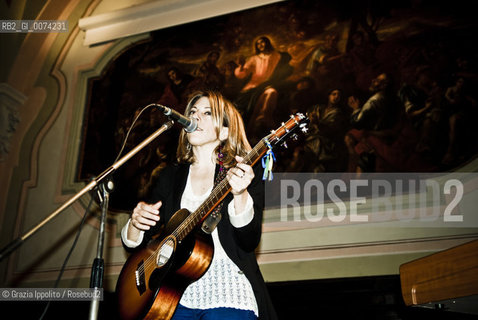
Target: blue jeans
x,y
183,313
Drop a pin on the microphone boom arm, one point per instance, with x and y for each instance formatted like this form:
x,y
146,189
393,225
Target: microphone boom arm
x,y
90,186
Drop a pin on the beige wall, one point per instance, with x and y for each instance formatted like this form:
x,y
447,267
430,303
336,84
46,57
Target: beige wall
x,y
44,85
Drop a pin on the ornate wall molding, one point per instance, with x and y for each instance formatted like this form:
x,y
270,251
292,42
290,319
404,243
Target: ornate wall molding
x,y
10,101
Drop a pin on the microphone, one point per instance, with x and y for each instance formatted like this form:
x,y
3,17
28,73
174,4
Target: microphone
x,y
189,124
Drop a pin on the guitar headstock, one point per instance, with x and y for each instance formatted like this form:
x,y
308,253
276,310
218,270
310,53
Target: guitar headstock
x,y
289,129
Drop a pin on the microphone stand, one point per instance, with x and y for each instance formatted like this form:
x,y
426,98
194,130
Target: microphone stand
x,y
96,280
97,270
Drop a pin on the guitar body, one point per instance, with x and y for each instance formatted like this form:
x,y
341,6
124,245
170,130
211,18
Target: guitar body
x,y
154,278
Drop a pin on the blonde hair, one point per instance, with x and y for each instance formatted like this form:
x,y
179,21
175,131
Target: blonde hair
x,y
224,115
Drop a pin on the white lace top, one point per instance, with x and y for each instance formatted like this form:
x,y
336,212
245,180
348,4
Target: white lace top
x,y
223,284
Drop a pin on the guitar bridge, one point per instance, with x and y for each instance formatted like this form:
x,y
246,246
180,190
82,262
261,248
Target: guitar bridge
x,y
139,278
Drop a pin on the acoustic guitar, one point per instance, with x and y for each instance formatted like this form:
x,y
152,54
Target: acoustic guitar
x,y
154,278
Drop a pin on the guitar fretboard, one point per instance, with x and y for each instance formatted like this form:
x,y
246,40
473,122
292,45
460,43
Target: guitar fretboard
x,y
217,194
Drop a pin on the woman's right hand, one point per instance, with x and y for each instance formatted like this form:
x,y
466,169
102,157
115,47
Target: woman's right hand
x,y
143,218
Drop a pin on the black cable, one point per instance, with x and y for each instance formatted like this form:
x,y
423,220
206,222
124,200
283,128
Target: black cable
x,y
129,130
69,254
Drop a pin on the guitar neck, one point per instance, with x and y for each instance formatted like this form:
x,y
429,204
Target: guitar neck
x,y
217,194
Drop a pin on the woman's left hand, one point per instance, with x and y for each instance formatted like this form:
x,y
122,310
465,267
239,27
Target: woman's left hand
x,y
240,176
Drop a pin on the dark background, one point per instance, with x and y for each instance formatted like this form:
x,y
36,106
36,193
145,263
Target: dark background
x,y
362,298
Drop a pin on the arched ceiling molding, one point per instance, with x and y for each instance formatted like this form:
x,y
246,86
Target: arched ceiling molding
x,y
157,15
79,77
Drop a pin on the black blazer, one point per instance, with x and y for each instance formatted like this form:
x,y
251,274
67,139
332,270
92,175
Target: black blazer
x,y
238,243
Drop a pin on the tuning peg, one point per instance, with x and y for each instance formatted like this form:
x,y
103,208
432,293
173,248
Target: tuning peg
x,y
304,129
295,137
284,145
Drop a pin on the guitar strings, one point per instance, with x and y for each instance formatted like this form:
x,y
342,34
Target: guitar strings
x,y
259,150
216,192
189,221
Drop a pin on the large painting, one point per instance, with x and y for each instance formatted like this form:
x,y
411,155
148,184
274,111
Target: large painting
x,y
387,85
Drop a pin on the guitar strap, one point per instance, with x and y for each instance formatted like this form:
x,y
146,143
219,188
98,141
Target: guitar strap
x,y
211,222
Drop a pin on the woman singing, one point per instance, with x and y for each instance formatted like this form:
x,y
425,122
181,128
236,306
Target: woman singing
x,y
233,286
